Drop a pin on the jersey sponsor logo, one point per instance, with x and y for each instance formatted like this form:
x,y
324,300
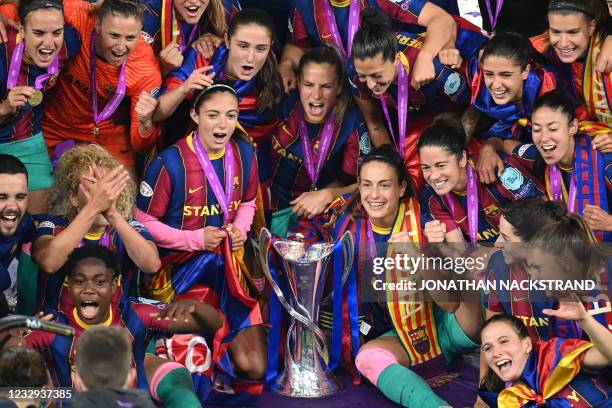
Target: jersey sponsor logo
x,y
46,224
205,210
531,321
408,41
523,149
281,150
145,189
512,179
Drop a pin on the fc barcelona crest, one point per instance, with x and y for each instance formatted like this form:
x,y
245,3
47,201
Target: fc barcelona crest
x,y
492,210
420,340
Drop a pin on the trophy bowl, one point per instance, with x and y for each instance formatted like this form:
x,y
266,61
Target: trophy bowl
x,y
304,267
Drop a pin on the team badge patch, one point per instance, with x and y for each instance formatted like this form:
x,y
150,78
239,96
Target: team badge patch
x,y
492,210
46,224
365,144
452,84
523,149
420,340
145,189
512,179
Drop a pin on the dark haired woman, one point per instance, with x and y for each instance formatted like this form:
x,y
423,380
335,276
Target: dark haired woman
x,y
505,83
550,373
573,42
31,60
456,205
317,143
385,210
198,199
172,26
108,84
380,70
247,61
332,22
567,162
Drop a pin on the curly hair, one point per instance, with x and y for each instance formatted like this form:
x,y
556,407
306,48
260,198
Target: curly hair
x,y
68,174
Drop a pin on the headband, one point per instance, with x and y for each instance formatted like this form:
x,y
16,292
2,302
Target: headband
x,y
552,6
211,88
28,7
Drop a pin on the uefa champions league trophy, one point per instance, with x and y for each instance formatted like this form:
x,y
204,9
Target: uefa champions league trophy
x,y
306,373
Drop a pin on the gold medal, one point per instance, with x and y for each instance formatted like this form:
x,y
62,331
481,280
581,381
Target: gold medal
x,y
96,131
36,98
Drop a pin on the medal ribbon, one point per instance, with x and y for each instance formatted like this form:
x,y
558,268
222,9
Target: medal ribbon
x,y
498,6
472,203
114,102
324,144
354,11
402,109
15,67
223,197
103,241
556,183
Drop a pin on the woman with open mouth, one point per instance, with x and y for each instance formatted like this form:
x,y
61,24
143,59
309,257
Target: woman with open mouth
x,y
577,44
318,23
247,61
568,163
32,58
318,141
81,212
521,226
505,82
385,211
457,207
198,199
172,26
382,64
553,373
105,95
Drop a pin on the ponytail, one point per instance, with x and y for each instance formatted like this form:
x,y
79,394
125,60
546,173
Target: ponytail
x,y
374,37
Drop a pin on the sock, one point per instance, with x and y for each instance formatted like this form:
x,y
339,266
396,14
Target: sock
x,y
27,285
402,386
172,385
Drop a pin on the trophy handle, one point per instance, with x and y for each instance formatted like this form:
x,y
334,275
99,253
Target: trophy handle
x,y
348,251
348,254
265,238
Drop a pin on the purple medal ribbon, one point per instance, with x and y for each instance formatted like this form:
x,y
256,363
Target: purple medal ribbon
x,y
224,198
498,6
182,45
324,143
354,11
114,102
15,67
472,203
402,109
557,190
104,240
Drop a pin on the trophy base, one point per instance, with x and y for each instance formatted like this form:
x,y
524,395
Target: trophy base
x,y
298,382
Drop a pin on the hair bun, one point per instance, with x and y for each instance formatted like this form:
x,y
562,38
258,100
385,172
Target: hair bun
x,y
371,17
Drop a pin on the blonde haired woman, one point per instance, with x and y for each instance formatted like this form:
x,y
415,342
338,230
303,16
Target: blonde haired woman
x,y
91,202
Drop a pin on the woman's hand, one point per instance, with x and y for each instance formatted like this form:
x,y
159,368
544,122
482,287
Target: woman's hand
x,y
312,203
213,237
236,236
435,231
572,310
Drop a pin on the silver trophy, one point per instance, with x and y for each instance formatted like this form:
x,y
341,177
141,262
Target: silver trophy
x,y
306,373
